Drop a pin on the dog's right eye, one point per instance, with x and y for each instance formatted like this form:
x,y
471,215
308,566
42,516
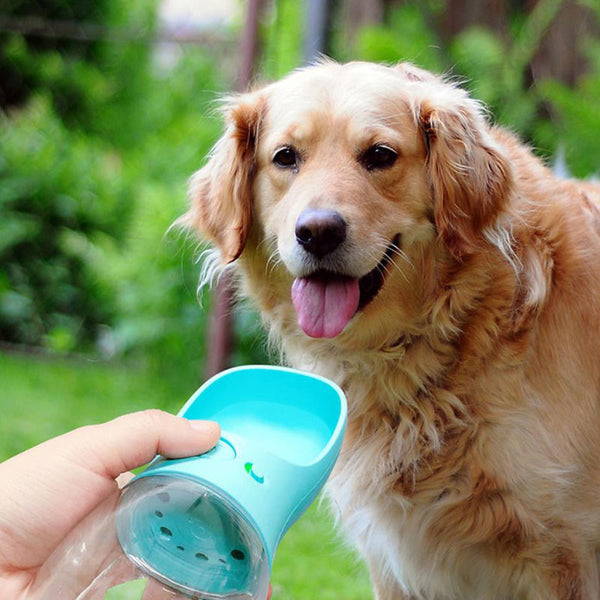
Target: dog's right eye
x,y
286,158
378,157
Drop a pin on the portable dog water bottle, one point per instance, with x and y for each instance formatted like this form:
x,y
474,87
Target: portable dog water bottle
x,y
208,526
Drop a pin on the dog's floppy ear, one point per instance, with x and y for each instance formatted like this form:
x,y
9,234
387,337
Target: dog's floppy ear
x,y
470,178
221,192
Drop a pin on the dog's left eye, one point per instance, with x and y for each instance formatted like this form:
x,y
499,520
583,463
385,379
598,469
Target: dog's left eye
x,y
286,158
378,156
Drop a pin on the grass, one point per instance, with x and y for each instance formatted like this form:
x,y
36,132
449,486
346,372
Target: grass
x,y
44,397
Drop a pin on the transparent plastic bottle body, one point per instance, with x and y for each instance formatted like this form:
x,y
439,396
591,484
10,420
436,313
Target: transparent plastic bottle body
x,y
90,563
193,538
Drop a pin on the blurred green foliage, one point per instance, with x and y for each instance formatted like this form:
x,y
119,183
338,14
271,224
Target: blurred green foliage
x,y
94,160
283,39
99,140
60,193
61,65
407,36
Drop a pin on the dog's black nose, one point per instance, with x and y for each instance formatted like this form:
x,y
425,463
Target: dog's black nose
x,y
319,231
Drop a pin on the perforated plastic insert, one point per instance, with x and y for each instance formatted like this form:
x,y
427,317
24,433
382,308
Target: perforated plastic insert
x,y
191,538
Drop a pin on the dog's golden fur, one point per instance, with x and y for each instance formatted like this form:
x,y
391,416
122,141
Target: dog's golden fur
x,y
471,463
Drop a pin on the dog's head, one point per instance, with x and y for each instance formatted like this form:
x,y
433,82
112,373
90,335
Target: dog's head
x,y
338,173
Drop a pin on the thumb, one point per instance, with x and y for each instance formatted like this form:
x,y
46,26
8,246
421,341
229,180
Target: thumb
x,y
132,440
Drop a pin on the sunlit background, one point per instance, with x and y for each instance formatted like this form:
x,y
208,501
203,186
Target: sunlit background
x,y
106,109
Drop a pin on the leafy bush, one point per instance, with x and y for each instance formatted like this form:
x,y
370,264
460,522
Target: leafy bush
x,y
155,280
69,55
59,195
159,314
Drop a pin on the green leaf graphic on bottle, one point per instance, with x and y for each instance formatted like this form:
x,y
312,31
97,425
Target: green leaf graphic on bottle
x,y
250,470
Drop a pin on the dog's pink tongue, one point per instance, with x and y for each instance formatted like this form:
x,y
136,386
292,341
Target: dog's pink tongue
x,y
324,307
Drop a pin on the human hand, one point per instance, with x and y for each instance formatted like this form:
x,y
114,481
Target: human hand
x,y
48,490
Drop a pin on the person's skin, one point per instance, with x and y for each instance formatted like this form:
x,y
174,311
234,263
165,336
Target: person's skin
x,y
46,491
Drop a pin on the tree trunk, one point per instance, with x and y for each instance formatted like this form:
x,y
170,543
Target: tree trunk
x,y
356,14
561,54
462,14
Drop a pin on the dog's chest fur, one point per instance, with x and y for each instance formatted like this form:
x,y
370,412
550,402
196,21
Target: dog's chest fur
x,y
418,485
395,463
415,491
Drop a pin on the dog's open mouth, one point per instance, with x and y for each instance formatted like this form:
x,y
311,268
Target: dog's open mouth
x,y
325,301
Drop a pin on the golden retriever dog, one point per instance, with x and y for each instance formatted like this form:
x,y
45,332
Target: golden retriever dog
x,y
426,261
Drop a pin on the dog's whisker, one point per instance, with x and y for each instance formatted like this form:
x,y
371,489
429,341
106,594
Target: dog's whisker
x,y
263,244
269,248
273,261
393,265
398,252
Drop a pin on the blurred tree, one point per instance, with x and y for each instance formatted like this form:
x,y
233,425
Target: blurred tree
x,y
317,36
84,53
357,14
572,131
58,193
29,17
61,191
558,53
562,53
459,15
